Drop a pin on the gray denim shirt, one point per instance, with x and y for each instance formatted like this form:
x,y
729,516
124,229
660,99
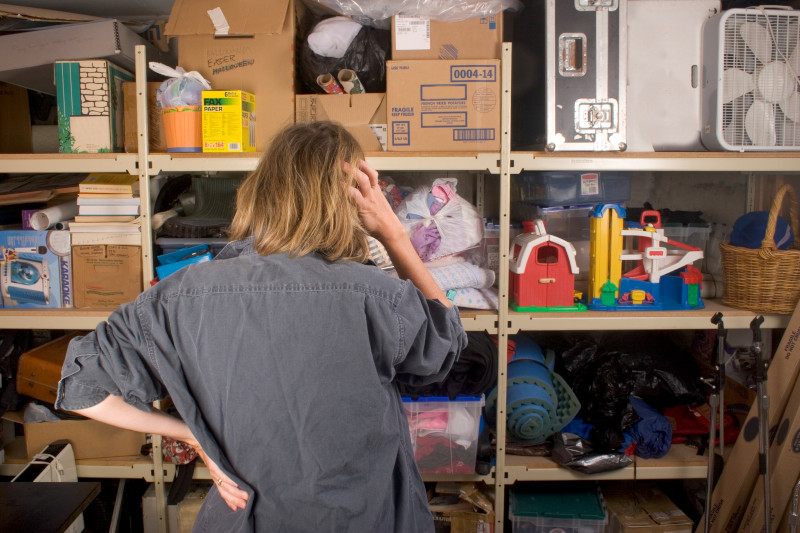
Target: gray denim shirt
x,y
285,370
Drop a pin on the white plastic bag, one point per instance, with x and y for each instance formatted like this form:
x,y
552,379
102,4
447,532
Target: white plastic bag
x,y
182,88
459,224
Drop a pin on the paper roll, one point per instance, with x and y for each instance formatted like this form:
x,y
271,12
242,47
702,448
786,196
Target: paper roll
x,y
350,82
329,84
50,217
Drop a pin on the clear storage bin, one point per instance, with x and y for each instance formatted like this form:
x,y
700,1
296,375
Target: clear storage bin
x,y
570,188
444,433
570,507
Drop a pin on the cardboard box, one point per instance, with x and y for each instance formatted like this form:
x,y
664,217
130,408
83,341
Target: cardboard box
x,y
90,106
642,508
738,478
35,269
422,38
106,275
15,128
363,115
181,516
28,57
229,121
443,105
784,469
256,55
90,439
155,126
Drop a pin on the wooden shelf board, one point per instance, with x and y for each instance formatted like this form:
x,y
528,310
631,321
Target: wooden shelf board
x,y
681,462
642,320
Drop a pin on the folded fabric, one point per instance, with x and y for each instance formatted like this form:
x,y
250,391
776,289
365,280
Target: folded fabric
x,y
473,374
462,275
476,298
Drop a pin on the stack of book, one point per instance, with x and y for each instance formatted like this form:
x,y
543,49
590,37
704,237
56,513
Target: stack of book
x,y
107,202
108,210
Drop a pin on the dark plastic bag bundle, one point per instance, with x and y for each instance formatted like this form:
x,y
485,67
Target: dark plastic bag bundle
x,y
366,55
577,453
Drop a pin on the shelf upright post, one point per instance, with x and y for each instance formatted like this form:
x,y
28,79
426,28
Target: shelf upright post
x,y
502,304
143,165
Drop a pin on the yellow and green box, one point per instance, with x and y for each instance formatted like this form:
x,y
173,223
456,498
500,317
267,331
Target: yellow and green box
x,y
229,121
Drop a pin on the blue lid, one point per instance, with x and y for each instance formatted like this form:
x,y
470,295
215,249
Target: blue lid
x,y
442,399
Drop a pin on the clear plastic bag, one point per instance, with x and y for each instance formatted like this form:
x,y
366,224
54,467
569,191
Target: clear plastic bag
x,y
378,12
181,88
458,223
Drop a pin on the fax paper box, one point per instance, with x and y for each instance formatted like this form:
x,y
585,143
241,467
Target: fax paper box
x,y
28,57
35,269
443,105
422,38
229,121
90,439
360,114
106,275
257,55
643,508
155,126
90,106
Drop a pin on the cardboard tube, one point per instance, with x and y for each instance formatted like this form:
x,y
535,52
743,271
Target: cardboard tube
x,y
52,216
329,84
350,82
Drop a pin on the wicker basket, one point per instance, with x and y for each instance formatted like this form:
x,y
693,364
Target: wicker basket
x,y
765,280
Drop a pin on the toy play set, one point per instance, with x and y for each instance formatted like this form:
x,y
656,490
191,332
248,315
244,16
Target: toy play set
x,y
543,267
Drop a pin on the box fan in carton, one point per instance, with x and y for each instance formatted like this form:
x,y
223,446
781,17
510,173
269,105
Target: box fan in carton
x,y
248,46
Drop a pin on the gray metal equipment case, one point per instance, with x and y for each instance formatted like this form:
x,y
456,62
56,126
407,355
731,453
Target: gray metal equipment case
x,y
586,75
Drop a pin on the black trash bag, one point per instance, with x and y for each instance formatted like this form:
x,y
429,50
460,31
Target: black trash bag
x,y
366,55
603,379
577,453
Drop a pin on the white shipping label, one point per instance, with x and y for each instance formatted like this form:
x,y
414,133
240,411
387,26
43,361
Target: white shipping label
x,y
412,33
590,184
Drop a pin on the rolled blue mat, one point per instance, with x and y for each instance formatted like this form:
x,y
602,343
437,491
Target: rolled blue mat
x,y
538,400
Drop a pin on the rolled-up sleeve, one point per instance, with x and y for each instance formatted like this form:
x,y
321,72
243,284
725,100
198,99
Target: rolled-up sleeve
x,y
114,359
431,338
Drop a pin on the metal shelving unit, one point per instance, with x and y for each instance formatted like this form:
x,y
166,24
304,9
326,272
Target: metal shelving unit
x,y
681,462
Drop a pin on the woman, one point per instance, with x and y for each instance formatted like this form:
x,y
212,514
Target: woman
x,y
282,354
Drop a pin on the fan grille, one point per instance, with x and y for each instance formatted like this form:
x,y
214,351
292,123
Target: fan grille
x,y
760,60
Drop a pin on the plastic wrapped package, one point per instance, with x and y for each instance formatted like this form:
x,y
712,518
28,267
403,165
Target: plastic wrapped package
x,y
378,12
333,45
181,88
440,227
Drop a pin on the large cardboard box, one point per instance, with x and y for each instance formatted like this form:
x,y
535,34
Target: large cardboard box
x,y
443,105
643,508
90,106
784,469
255,55
28,57
363,115
180,516
90,439
738,479
106,275
15,127
35,268
155,126
422,38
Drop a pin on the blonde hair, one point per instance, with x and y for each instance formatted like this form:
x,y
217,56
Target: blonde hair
x,y
297,200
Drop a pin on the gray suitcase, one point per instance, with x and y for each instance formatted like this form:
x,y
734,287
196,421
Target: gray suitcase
x,y
586,75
